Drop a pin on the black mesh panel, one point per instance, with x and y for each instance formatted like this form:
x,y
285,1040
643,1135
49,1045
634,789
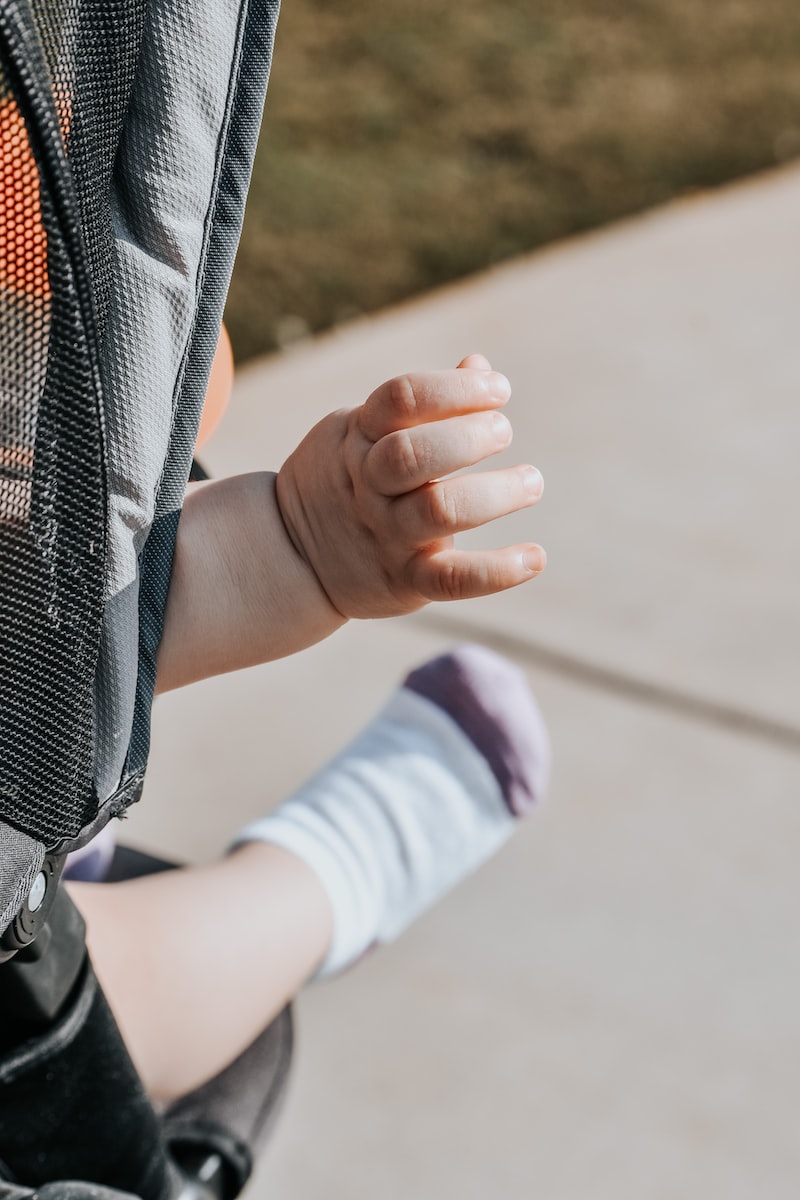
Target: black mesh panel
x,y
119,218
52,488
91,49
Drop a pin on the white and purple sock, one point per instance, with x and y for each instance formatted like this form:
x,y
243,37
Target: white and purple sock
x,y
424,795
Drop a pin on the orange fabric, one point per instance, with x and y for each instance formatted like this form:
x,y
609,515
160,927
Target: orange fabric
x,y
23,241
23,250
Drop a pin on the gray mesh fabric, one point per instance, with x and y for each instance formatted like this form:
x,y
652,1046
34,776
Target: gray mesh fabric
x,y
21,857
52,479
127,131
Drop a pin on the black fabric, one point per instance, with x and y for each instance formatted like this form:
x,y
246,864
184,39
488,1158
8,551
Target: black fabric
x,y
69,74
67,1189
52,480
129,863
71,1189
91,50
72,1107
198,473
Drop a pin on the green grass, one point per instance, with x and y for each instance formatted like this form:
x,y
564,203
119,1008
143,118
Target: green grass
x,y
411,142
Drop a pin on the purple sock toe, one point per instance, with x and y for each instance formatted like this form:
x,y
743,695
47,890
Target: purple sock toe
x,y
489,698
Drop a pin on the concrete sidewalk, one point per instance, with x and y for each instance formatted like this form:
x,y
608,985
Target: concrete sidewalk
x,y
610,1009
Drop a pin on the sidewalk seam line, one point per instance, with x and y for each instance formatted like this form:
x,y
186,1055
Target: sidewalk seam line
x,y
630,687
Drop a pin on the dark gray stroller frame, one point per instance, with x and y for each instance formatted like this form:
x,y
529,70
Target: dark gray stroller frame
x,y
127,132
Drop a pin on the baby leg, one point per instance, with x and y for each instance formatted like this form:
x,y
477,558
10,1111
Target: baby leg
x,y
195,962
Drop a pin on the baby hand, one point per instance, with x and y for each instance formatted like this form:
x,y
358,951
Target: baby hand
x,y
367,504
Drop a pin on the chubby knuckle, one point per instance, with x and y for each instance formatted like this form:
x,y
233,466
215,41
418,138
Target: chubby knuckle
x,y
402,398
451,582
442,507
401,457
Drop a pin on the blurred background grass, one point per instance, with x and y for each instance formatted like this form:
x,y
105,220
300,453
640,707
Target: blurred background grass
x,y
409,143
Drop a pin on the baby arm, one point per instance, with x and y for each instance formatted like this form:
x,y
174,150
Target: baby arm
x,y
359,522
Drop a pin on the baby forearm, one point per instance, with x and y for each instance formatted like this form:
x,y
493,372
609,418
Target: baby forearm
x,y
240,592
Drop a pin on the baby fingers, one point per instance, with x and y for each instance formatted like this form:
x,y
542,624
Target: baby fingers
x,y
449,506
407,459
417,399
462,574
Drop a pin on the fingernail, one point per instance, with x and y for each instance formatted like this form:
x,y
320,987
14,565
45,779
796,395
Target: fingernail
x,y
501,426
534,484
534,559
499,386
